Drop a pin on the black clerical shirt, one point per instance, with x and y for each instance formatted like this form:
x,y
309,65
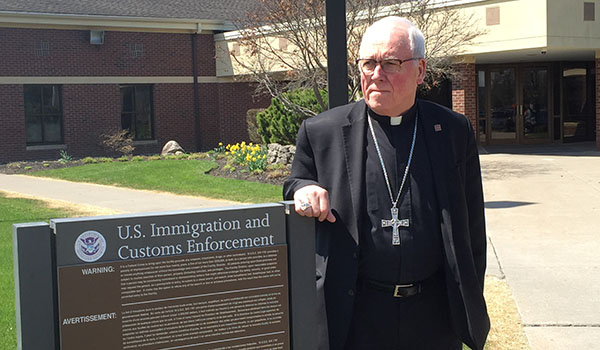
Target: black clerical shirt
x,y
421,251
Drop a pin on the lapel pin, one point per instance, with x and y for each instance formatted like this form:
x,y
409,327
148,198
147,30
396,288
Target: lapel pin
x,y
437,127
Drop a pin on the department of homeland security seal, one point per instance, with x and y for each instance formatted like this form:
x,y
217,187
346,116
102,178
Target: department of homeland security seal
x,y
90,246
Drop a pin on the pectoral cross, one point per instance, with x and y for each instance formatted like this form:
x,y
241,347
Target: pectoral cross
x,y
395,223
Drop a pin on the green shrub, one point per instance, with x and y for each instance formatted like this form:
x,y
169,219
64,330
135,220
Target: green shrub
x,y
177,156
280,124
198,156
253,134
64,156
229,167
117,141
105,160
138,158
89,160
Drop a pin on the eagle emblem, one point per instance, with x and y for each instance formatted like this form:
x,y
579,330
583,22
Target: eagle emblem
x,y
90,246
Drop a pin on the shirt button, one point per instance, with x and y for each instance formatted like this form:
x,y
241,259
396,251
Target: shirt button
x,y
351,292
355,255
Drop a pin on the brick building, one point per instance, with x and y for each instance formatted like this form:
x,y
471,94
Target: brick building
x,y
71,71
532,77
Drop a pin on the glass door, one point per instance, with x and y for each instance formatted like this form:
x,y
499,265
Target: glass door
x,y
503,105
579,117
533,111
513,104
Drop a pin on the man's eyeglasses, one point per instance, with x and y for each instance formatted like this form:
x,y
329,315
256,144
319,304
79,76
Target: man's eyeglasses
x,y
367,65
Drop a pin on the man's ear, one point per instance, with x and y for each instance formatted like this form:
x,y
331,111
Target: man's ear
x,y
422,70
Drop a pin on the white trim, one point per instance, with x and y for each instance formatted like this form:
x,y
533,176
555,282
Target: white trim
x,y
45,147
383,11
114,80
30,20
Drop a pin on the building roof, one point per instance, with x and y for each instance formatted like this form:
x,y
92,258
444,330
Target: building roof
x,y
164,9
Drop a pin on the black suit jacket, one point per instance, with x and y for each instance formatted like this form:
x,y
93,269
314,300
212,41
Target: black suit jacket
x,y
331,153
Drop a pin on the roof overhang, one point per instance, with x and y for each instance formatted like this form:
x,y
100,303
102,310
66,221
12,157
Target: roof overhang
x,y
114,23
540,54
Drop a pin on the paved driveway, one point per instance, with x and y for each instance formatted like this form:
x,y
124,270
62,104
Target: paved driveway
x,y
543,213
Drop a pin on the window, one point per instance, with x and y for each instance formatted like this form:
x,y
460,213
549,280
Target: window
x,y
137,111
42,48
43,114
589,11
492,16
136,50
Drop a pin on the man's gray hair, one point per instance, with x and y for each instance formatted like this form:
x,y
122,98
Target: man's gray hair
x,y
416,38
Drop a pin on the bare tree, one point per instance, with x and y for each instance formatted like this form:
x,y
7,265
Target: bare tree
x,y
448,32
283,42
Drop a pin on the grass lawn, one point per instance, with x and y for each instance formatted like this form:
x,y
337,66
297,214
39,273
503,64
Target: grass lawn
x,y
177,176
14,210
188,177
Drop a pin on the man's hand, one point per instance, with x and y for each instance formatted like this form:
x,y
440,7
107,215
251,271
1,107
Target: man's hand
x,y
313,201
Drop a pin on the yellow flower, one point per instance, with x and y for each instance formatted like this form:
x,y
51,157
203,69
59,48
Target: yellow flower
x,y
220,143
254,159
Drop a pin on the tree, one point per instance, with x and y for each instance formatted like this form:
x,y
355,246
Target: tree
x,y
284,42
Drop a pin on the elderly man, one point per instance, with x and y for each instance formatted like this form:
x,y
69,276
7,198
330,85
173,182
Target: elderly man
x,y
395,184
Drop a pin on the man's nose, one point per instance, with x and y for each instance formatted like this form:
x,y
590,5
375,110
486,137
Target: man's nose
x,y
378,71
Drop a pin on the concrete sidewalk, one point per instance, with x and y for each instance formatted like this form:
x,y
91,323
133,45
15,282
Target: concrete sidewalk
x,y
542,218
103,198
542,213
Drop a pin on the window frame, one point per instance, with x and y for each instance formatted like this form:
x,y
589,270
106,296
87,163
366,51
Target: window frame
x,y
42,114
133,114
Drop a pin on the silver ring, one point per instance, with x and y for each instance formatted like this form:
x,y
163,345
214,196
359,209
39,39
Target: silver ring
x,y
304,205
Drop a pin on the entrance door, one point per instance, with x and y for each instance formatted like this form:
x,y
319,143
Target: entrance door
x,y
533,114
518,105
579,117
503,103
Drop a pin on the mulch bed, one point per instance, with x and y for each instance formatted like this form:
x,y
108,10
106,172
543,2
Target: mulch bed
x,y
25,167
269,177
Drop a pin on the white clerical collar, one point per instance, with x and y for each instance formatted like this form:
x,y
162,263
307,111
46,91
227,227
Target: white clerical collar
x,y
396,120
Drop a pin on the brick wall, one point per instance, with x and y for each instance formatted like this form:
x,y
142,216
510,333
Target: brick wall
x,y
234,102
174,116
69,53
88,112
223,110
92,109
464,92
12,119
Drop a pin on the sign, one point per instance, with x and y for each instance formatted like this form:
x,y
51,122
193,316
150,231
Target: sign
x,y
211,279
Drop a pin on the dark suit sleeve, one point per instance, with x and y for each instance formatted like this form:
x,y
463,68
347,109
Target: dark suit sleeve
x,y
475,205
304,171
